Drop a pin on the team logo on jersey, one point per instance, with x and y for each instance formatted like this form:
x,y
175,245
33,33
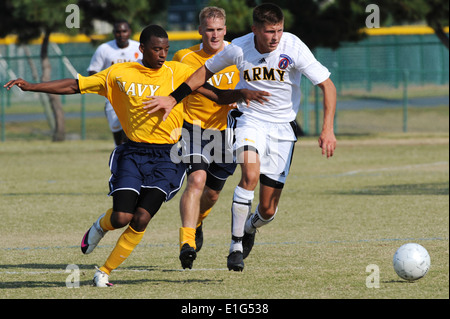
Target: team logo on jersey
x,y
285,60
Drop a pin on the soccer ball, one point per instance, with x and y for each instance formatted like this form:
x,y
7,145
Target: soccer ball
x,y
411,261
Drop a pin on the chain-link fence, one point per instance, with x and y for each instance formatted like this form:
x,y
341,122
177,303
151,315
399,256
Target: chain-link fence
x,y
392,72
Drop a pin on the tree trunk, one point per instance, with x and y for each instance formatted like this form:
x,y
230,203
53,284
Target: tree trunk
x,y
35,74
55,101
441,36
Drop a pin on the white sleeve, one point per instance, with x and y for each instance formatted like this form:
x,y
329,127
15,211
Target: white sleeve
x,y
229,56
310,67
316,73
97,61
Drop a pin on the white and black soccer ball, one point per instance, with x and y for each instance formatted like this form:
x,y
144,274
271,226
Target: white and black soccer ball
x,y
411,261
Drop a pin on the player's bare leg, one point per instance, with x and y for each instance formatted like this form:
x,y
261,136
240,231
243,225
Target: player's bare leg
x,y
207,201
189,211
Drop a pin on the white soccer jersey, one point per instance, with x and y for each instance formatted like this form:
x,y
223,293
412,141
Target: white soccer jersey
x,y
278,72
109,53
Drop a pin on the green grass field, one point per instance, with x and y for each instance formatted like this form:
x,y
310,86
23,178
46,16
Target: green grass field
x,y
336,217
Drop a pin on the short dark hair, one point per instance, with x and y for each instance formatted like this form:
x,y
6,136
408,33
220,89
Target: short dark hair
x,y
152,30
120,21
267,13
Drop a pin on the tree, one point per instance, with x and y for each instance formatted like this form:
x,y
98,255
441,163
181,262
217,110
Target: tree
x,y
434,12
328,23
29,19
138,13
316,22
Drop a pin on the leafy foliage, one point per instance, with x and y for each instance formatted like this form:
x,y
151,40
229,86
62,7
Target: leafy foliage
x,y
328,23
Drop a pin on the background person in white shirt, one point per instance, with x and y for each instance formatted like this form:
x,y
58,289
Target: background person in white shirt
x,y
270,60
119,50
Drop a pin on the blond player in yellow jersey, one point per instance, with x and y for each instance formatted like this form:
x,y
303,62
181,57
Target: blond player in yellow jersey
x,y
204,127
144,174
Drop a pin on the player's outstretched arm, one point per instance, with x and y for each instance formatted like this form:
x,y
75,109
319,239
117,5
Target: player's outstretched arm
x,y
64,86
167,103
231,96
327,139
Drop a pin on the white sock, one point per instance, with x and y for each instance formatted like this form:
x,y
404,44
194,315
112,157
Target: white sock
x,y
256,221
240,210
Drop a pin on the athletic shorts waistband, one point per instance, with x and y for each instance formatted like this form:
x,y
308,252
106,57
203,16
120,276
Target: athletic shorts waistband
x,y
150,145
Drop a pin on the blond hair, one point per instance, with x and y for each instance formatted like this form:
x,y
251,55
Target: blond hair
x,y
212,12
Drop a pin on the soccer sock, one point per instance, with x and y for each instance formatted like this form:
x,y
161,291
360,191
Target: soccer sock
x,y
240,209
125,245
105,222
187,236
256,221
202,216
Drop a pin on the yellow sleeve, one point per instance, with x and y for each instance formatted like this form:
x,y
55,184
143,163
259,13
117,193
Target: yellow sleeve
x,y
183,72
94,84
181,54
177,56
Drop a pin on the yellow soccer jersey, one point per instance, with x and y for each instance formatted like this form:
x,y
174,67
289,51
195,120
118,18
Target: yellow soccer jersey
x,y
127,85
197,106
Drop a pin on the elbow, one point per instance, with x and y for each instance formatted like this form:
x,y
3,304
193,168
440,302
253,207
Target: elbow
x,y
327,86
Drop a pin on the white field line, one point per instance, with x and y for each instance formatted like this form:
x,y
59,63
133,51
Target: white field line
x,y
394,168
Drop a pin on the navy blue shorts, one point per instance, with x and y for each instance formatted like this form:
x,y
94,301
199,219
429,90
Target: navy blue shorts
x,y
141,165
210,151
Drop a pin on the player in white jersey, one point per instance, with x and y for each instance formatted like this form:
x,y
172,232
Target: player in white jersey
x,y
271,60
121,49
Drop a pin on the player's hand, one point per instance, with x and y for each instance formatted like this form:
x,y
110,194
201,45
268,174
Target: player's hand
x,y
24,85
156,103
250,95
327,142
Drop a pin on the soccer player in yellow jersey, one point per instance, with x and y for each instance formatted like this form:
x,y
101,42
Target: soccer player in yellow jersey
x,y
144,174
206,172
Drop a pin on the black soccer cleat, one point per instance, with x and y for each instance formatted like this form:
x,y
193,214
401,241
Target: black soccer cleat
x,y
187,256
199,237
247,243
235,261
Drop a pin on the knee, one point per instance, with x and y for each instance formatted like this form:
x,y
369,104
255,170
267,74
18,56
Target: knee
x,y
140,219
249,180
266,211
196,181
120,219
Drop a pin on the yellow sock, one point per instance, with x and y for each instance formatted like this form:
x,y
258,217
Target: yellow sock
x,y
105,222
125,245
187,236
202,216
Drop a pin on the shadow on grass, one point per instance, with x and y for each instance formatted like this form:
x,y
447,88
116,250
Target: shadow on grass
x,y
60,269
400,189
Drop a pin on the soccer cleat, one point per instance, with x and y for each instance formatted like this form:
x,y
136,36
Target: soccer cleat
x,y
199,238
247,243
235,261
101,279
187,256
92,237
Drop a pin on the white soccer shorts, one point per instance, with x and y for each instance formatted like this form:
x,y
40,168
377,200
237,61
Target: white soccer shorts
x,y
113,120
274,141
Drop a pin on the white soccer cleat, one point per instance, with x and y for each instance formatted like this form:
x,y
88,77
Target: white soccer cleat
x,y
92,237
101,279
